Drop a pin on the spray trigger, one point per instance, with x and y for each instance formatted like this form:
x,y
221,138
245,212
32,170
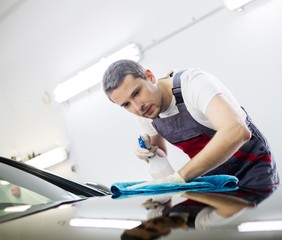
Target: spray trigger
x,y
141,143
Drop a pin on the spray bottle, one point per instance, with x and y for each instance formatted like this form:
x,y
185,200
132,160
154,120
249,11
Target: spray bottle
x,y
159,167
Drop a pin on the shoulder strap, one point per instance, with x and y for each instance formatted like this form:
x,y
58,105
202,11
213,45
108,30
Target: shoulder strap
x,y
176,89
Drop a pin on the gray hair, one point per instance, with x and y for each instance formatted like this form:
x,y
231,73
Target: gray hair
x,y
117,71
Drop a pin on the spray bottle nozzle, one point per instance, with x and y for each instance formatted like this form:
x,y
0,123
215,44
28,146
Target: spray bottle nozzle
x,y
142,143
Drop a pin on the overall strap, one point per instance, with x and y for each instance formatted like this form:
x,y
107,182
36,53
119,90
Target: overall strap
x,y
176,89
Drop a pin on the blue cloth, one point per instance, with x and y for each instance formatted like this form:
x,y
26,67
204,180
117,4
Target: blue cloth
x,y
213,183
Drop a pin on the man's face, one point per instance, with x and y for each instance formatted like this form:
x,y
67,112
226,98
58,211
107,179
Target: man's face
x,y
138,96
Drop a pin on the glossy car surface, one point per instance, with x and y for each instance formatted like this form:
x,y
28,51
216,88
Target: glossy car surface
x,y
24,190
65,213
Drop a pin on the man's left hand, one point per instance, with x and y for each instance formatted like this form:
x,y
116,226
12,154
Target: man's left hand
x,y
174,178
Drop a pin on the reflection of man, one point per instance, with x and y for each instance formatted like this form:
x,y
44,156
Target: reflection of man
x,y
209,210
154,228
198,211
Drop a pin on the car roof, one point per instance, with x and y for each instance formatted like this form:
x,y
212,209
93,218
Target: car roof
x,y
97,218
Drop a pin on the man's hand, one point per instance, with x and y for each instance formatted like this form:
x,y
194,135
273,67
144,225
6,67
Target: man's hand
x,y
174,178
148,152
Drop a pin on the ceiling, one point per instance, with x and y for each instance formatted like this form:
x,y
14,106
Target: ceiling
x,y
43,42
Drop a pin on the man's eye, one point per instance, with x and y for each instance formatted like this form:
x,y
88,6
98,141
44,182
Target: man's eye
x,y
126,105
135,93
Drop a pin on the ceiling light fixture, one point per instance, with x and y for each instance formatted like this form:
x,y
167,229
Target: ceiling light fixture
x,y
260,226
48,159
21,208
104,223
89,77
233,5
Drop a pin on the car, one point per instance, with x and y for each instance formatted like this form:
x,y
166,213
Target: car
x,y
35,204
23,185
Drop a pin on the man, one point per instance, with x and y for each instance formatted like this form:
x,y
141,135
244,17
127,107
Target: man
x,y
195,112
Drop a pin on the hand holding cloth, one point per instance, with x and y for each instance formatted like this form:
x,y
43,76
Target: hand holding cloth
x,y
213,183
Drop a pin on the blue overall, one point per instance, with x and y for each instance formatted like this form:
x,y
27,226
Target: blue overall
x,y
253,164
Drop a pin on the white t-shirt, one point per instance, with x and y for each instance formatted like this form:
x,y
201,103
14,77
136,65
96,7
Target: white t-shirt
x,y
207,218
198,88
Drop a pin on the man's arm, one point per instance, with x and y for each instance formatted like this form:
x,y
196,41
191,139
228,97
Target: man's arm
x,y
232,133
225,205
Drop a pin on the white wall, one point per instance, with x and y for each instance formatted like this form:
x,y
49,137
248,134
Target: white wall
x,y
243,49
39,51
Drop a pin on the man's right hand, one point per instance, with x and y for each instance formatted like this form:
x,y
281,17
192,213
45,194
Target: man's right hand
x,y
148,152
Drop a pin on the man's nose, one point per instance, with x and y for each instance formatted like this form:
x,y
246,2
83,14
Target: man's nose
x,y
138,106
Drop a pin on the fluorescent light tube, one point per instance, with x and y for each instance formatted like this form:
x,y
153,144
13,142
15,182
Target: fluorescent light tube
x,y
104,223
4,183
21,208
49,158
93,75
233,5
260,226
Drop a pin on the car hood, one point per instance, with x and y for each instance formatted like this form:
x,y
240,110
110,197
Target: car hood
x,y
108,218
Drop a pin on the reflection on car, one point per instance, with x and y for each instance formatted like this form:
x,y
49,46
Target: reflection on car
x,y
36,204
200,211
25,190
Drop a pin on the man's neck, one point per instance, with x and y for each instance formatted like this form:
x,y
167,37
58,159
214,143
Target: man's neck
x,y
165,85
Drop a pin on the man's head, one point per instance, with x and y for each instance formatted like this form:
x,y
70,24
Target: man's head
x,y
117,71
134,88
154,228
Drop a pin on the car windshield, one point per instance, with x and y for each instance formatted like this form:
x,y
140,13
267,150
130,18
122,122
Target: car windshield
x,y
21,191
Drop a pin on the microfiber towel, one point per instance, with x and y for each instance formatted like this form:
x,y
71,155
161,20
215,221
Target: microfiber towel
x,y
213,183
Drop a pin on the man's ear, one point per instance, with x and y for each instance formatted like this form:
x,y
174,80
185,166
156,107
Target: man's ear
x,y
150,76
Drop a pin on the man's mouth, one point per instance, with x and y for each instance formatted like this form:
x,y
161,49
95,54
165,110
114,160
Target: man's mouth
x,y
148,111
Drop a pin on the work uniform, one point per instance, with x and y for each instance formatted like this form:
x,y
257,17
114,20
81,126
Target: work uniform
x,y
253,164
